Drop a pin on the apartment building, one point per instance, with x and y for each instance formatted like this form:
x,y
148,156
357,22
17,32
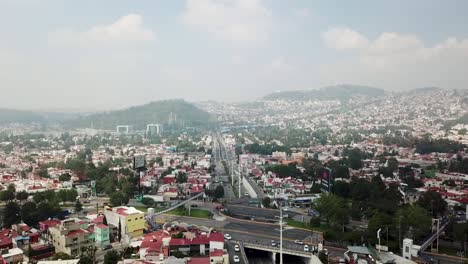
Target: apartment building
x,y
130,221
68,237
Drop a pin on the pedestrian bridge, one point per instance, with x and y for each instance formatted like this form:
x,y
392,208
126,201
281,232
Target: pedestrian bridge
x,y
308,256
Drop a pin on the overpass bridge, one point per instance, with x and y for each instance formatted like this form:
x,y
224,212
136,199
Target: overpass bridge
x,y
151,218
308,257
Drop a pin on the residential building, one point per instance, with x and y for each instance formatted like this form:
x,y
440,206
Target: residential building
x,y
130,221
101,235
69,237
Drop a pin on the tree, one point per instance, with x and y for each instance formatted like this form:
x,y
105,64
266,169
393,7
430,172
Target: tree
x,y
65,177
78,206
22,196
47,209
360,189
147,201
355,158
11,214
333,209
61,256
341,188
393,164
88,256
323,257
29,213
43,172
432,202
316,188
118,199
7,195
342,172
181,177
218,192
11,188
414,221
378,221
266,202
111,257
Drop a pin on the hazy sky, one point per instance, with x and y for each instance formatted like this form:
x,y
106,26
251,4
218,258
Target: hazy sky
x,y
88,54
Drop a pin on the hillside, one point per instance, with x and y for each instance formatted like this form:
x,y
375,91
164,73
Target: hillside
x,y
160,112
19,116
337,92
424,90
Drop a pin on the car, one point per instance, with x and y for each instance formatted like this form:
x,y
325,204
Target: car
x,y
285,209
236,259
298,242
273,243
227,236
106,247
246,194
306,248
236,248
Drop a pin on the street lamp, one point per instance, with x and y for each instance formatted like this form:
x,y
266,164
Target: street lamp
x,y
378,236
281,234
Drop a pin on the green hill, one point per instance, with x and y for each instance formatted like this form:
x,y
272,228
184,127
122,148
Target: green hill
x,y
338,92
176,112
19,116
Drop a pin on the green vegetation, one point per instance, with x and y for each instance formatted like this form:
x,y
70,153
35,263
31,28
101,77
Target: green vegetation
x,y
199,213
338,92
380,205
183,114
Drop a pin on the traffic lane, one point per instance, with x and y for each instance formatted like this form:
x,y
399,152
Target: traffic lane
x,y
257,212
232,252
254,235
271,230
442,258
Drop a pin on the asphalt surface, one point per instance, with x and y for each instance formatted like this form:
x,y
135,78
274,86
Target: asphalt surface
x,y
232,252
256,212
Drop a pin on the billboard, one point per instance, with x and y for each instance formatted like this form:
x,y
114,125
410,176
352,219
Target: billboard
x,y
139,162
326,180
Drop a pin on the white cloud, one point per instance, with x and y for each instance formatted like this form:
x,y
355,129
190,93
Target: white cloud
x,y
280,64
401,61
341,39
302,12
127,30
244,22
391,42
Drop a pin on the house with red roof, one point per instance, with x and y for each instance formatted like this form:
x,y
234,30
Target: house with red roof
x,y
183,238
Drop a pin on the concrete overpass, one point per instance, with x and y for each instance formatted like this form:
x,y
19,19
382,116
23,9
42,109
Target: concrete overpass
x,y
308,257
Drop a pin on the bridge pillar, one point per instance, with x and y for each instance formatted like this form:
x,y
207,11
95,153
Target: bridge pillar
x,y
273,257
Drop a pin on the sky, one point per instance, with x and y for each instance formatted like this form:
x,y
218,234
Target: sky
x,y
110,54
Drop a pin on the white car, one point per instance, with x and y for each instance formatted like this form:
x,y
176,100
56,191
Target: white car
x,y
236,248
306,248
285,209
298,242
227,236
273,243
236,259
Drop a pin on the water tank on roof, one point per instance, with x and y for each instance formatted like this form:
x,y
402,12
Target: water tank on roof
x,y
151,212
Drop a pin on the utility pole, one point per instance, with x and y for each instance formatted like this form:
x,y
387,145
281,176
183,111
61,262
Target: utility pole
x,y
239,181
232,173
378,237
399,232
281,234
